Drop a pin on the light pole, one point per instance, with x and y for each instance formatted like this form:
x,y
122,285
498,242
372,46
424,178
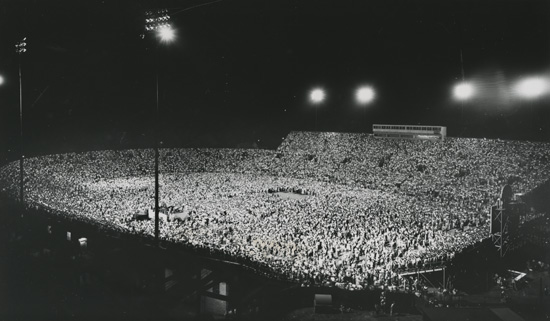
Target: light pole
x,y
20,48
158,22
463,92
364,96
530,89
316,96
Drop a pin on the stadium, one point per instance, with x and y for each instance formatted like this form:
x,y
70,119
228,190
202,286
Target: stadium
x,y
274,160
323,209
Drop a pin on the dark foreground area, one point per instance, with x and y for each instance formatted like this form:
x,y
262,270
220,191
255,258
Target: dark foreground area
x,y
49,272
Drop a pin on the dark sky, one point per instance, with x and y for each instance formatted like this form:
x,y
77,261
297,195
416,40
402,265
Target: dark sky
x,y
241,71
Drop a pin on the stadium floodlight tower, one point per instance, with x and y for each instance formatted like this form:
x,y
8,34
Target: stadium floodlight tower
x,y
463,92
158,22
364,95
316,97
20,48
532,89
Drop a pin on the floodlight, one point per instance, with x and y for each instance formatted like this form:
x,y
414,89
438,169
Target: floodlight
x,y
20,46
1,80
364,95
317,95
157,20
166,33
463,91
531,87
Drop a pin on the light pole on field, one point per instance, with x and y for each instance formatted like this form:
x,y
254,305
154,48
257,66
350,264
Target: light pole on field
x,y
158,22
20,48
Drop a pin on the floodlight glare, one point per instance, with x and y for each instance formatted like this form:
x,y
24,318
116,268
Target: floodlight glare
x,y
463,91
317,95
166,33
531,87
364,95
1,80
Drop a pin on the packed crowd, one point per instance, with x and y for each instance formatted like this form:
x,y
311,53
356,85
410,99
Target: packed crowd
x,y
373,206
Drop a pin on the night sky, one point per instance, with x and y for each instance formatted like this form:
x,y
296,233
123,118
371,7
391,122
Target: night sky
x,y
239,72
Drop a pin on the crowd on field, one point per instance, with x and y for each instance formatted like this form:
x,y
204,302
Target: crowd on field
x,y
368,207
